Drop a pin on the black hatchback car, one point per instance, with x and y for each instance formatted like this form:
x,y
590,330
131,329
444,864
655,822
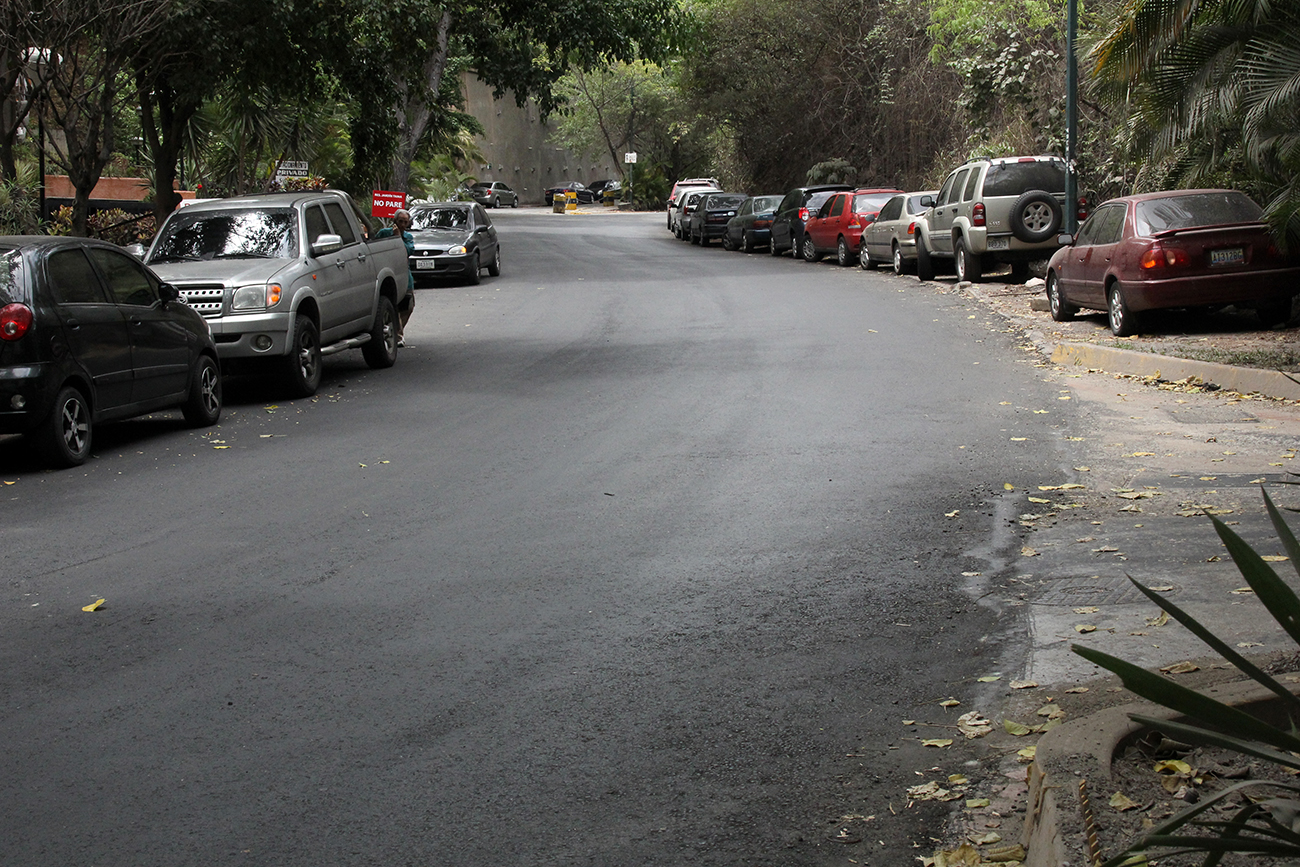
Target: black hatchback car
x,y
455,239
792,213
88,335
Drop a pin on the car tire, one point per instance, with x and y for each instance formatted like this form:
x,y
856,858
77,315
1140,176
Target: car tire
x,y
843,255
924,264
1122,320
202,407
302,367
900,265
728,244
772,248
474,274
1036,216
746,242
494,267
968,265
865,262
705,240
1061,310
63,438
1273,313
810,253
381,350
515,203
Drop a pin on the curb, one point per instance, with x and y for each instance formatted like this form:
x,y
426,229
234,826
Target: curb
x,y
1054,833
1245,380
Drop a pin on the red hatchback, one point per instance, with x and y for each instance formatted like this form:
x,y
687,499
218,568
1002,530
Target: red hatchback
x,y
838,226
1186,248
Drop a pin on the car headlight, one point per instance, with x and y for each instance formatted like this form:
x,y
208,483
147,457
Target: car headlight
x,y
458,250
257,297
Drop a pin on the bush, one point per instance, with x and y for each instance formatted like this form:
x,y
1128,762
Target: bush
x,y
18,205
115,226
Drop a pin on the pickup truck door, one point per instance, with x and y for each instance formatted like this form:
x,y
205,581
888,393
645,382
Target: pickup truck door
x,y
360,297
330,287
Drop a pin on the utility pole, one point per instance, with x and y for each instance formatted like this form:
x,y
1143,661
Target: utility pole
x,y
1071,118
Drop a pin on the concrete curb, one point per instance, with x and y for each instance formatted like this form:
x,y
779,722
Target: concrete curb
x,y
1054,830
1245,380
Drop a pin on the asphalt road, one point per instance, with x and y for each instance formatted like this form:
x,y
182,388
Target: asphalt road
x,y
640,555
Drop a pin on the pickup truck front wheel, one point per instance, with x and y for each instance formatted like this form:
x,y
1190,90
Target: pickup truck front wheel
x,y
381,350
303,365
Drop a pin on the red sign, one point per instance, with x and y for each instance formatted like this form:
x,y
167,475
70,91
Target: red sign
x,y
386,203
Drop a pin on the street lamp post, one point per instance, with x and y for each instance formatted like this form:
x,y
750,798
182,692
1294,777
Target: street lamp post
x,y
1071,118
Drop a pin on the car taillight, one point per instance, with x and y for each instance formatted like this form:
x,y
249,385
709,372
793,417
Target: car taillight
x,y
803,215
977,214
1160,256
762,224
1081,209
854,223
911,228
15,319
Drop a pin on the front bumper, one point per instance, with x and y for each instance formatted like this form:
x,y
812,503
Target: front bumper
x,y
442,267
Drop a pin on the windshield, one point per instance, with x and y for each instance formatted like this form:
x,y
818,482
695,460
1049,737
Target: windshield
x,y
714,203
440,218
816,200
870,203
1204,209
766,204
201,235
11,277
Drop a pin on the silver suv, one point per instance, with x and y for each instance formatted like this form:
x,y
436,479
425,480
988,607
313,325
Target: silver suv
x,y
991,211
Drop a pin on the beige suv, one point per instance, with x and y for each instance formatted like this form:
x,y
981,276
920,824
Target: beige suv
x,y
993,211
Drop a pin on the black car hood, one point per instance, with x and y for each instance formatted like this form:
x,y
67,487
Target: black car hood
x,y
440,237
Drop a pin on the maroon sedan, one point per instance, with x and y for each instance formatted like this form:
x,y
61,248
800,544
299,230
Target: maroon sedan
x,y
1185,248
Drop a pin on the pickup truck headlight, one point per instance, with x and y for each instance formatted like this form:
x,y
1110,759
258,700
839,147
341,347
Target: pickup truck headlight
x,y
257,297
458,250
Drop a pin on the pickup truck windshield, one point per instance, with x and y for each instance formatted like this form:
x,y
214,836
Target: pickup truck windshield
x,y
203,235
440,218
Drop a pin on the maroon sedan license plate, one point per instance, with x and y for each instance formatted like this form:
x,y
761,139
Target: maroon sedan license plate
x,y
1228,256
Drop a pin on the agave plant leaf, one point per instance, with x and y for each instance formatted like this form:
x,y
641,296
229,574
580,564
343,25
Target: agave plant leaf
x,y
1280,600
1189,702
1219,646
1223,844
1284,533
1200,734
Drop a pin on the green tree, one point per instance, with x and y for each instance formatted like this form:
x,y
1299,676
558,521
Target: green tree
x,y
1212,85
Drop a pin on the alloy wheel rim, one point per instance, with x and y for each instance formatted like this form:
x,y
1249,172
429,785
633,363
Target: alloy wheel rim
x,y
74,426
208,389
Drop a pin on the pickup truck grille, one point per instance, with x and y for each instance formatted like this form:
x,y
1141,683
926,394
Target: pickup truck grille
x,y
207,300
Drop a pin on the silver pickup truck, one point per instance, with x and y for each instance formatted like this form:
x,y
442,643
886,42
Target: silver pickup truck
x,y
285,279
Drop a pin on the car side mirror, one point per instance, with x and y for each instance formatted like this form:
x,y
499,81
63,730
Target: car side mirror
x,y
927,201
1065,239
326,244
167,292
137,250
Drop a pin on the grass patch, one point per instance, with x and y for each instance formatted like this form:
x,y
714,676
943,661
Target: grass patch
x,y
1265,359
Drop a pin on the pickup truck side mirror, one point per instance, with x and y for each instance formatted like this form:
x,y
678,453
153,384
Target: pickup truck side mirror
x,y
1065,239
137,250
326,244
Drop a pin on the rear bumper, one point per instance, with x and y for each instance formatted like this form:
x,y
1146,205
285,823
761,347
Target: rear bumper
x,y
27,384
1241,287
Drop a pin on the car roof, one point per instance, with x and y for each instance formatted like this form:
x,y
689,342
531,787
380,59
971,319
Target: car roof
x,y
1168,194
889,190
261,200
426,206
35,242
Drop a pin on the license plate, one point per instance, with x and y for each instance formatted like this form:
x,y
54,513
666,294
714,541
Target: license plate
x,y
1228,256
999,243
425,264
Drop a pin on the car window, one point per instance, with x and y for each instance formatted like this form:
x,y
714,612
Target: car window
x,y
791,200
943,192
128,283
1091,227
816,200
439,218
481,217
342,227
11,276
1013,178
1202,209
914,206
763,204
870,203
971,184
746,209
893,209
317,225
1110,229
201,235
72,280
837,205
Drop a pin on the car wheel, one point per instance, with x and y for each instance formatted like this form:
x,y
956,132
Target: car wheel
x,y
1061,311
494,267
1123,322
515,203
843,255
810,253
865,262
746,242
474,273
924,264
1273,312
202,406
900,267
303,364
63,438
1036,216
772,248
968,265
727,243
381,350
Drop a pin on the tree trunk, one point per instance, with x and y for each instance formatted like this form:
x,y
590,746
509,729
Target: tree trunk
x,y
164,135
413,110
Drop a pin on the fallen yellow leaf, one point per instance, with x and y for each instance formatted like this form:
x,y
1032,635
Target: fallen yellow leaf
x,y
93,606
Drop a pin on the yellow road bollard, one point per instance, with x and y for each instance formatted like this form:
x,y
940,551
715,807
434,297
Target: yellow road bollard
x,y
570,201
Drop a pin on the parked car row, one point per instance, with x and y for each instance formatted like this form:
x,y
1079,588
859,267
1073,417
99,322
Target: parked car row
x,y
1184,248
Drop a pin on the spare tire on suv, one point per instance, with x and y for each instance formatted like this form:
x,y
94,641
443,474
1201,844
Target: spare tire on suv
x,y
1036,216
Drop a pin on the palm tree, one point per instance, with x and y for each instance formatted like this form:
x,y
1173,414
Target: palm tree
x,y
1210,83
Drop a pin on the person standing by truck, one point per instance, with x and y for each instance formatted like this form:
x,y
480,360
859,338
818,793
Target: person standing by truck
x,y
402,226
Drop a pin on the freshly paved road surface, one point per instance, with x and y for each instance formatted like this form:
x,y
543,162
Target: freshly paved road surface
x,y
638,556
